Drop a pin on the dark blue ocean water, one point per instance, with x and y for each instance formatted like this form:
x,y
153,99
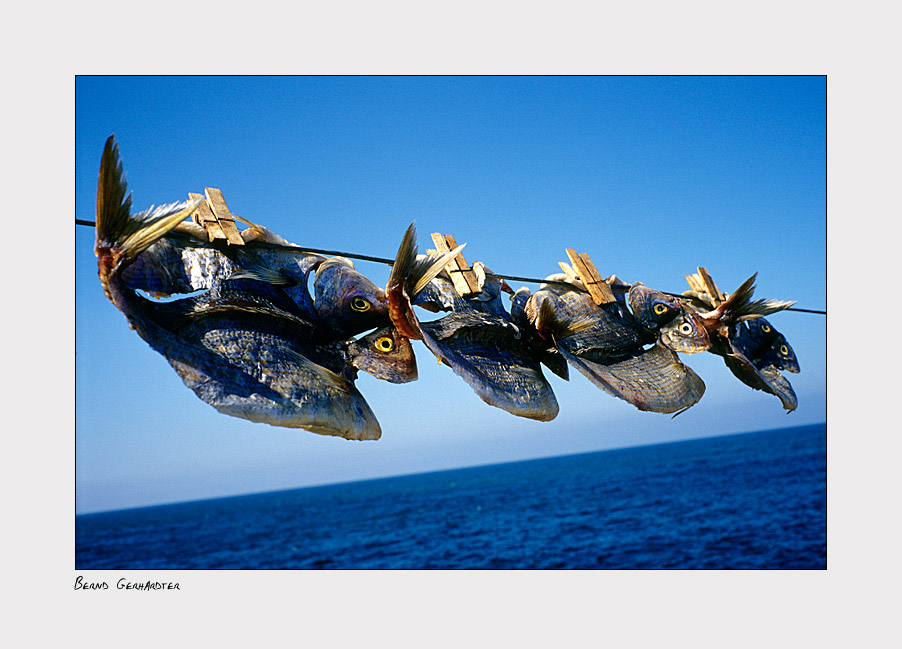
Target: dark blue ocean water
x,y
756,500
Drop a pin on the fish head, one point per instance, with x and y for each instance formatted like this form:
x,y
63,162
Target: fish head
x,y
385,354
653,309
685,334
774,348
346,299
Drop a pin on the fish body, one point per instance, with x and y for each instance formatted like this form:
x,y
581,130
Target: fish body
x,y
492,356
479,341
607,345
256,368
265,367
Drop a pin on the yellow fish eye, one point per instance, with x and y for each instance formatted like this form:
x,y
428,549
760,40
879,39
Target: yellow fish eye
x,y
765,328
685,328
660,309
784,350
359,304
385,344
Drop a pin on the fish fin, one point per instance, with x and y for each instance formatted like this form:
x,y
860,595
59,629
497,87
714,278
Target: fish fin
x,y
505,380
114,201
261,273
415,273
739,305
547,321
652,380
115,226
555,361
331,377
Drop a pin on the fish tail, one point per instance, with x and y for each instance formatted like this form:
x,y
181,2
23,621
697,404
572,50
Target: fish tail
x,y
413,273
740,306
113,200
121,237
547,321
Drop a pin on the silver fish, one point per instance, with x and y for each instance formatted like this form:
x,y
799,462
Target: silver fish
x,y
491,355
477,340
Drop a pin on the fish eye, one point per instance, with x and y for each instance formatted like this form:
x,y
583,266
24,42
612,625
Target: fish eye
x,y
385,344
784,350
765,328
359,304
660,309
686,328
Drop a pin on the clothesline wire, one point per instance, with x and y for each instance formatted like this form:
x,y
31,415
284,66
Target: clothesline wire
x,y
384,260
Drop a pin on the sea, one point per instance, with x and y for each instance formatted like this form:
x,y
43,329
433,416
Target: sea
x,y
745,501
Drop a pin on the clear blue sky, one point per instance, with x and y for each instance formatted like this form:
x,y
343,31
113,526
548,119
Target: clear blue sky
x,y
651,176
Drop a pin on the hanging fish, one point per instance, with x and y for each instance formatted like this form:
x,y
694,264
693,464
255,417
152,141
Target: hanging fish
x,y
609,347
725,322
500,360
676,326
491,355
477,339
242,347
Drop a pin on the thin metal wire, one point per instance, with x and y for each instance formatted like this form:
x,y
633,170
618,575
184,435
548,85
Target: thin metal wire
x,y
384,260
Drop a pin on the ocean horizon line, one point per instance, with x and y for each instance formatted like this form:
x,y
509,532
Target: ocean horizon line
x,y
437,471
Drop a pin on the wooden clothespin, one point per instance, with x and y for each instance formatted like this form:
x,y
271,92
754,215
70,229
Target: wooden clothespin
x,y
462,276
590,277
213,214
695,283
702,283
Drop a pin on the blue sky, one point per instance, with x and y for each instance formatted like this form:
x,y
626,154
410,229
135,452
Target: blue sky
x,y
652,176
